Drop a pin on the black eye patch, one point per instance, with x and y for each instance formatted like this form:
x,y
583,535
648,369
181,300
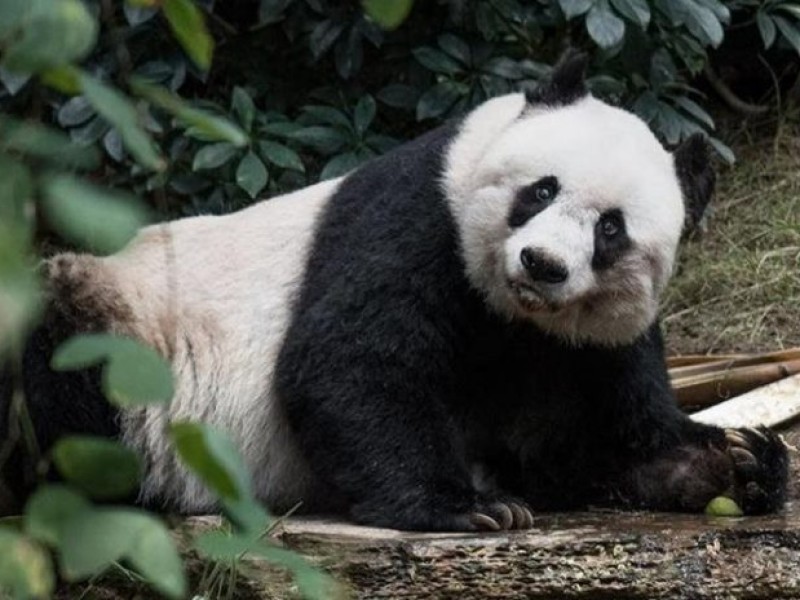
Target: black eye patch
x,y
533,199
611,239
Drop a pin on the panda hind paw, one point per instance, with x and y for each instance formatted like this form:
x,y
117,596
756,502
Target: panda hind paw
x,y
760,468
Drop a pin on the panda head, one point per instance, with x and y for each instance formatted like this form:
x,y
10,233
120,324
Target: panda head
x,y
570,211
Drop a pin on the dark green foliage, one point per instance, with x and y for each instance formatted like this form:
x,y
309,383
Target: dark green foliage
x,y
319,86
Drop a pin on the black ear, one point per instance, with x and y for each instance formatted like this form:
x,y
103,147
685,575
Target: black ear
x,y
697,178
566,84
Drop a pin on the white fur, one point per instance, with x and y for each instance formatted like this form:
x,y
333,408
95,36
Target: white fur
x,y
604,158
214,294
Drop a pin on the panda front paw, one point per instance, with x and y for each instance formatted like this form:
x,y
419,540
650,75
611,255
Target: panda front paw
x,y
498,515
760,469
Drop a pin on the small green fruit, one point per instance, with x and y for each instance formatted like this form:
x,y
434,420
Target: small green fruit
x,y
723,507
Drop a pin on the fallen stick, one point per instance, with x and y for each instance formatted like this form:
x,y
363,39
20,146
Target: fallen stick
x,y
771,405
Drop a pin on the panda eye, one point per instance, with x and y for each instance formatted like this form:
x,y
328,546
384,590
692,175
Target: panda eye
x,y
611,224
542,191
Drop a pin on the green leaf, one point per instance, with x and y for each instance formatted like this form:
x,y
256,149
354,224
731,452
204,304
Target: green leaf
x,y
49,510
12,16
280,156
38,141
504,67
766,28
389,14
455,47
694,109
723,150
438,100
102,468
604,27
251,175
155,557
64,79
189,27
636,11
723,507
243,108
16,193
118,110
213,156
398,95
94,539
328,116
134,374
437,61
25,567
75,111
789,31
573,8
213,457
325,140
272,11
213,127
97,218
339,165
364,114
51,34
702,23
324,36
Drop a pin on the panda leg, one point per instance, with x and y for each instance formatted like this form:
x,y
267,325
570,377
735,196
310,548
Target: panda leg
x,y
749,466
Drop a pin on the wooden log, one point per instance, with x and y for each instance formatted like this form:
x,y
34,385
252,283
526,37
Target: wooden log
x,y
584,555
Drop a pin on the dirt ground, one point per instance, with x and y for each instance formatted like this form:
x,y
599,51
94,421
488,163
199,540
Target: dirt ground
x,y
737,288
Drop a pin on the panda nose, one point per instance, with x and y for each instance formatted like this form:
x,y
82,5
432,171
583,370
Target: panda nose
x,y
543,268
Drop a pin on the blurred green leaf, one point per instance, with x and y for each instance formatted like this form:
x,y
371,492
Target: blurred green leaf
x,y
455,47
251,175
214,127
75,111
324,36
47,144
49,510
702,22
389,14
189,27
94,539
398,95
604,27
97,218
64,79
213,457
280,156
115,108
25,567
364,114
328,116
694,109
49,34
100,467
213,156
134,374
313,583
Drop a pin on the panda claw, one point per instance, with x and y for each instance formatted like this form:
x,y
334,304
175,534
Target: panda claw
x,y
523,519
484,522
743,458
735,438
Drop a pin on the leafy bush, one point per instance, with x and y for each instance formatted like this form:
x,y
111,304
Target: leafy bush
x,y
291,72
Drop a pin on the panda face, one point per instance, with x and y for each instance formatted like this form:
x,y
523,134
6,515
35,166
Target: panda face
x,y
569,216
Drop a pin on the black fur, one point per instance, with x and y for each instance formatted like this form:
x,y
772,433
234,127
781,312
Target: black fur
x,y
608,250
565,85
697,177
396,378
528,203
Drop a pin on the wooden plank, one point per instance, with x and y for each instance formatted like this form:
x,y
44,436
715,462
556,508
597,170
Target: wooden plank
x,y
771,405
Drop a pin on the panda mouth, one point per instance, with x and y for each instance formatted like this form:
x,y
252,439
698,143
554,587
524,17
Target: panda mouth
x,y
530,299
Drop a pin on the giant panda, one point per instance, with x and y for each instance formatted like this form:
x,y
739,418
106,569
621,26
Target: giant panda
x,y
454,335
